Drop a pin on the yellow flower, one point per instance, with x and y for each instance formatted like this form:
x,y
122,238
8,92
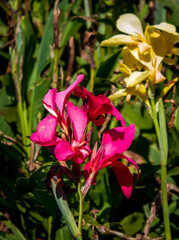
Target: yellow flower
x,y
139,90
131,25
162,38
157,44
143,54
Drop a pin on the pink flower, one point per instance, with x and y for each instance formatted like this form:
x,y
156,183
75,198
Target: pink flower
x,y
46,132
96,106
54,102
78,149
114,142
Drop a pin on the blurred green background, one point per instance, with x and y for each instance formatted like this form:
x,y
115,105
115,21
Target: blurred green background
x,y
31,63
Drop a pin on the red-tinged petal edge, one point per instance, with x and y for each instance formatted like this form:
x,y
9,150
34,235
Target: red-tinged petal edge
x,y
47,128
124,177
49,102
62,97
78,119
63,151
118,140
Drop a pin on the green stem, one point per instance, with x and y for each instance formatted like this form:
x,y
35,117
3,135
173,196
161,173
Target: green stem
x,y
64,208
80,208
55,69
87,12
164,154
24,126
21,106
154,113
49,227
91,79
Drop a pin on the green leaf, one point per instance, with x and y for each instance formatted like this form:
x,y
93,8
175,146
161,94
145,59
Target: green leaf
x,y
174,7
37,96
29,48
16,232
63,234
71,28
64,208
176,122
5,127
44,50
107,67
133,223
133,114
4,100
174,171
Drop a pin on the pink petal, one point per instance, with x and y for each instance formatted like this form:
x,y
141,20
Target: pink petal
x,y
62,97
63,151
84,152
124,177
96,106
34,138
118,140
49,102
78,119
47,129
87,170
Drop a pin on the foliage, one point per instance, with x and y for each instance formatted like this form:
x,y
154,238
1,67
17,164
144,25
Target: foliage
x,y
28,69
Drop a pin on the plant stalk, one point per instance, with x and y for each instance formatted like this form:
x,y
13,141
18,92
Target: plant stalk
x,y
91,79
154,113
164,155
81,197
64,208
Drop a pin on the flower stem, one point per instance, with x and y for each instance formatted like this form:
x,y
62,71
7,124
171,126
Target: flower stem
x,y
64,208
55,69
87,12
154,113
91,79
81,197
164,154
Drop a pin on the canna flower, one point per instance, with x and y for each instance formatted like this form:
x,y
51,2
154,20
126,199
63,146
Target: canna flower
x,y
46,134
78,148
157,42
149,49
138,90
55,103
114,142
96,106
135,38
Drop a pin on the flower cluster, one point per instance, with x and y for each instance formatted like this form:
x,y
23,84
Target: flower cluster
x,y
143,53
64,130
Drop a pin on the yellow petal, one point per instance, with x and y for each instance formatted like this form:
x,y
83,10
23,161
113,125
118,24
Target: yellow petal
x,y
118,94
144,48
170,30
130,24
159,77
161,37
159,43
146,59
120,39
130,60
136,77
123,68
175,51
168,87
140,91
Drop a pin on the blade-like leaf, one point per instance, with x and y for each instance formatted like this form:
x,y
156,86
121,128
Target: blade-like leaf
x,y
108,66
44,50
